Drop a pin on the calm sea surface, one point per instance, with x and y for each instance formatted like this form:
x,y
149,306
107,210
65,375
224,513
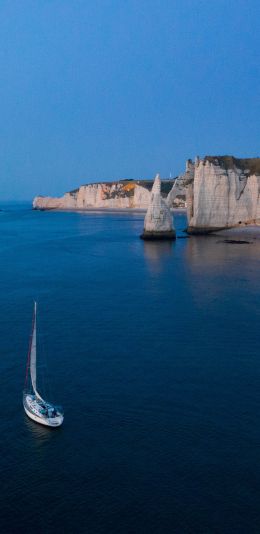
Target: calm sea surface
x,y
153,351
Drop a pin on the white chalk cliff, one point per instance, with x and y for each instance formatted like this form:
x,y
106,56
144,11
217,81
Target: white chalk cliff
x,y
225,193
121,194
158,222
178,193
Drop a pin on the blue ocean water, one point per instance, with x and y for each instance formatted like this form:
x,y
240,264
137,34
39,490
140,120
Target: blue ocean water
x,y
153,351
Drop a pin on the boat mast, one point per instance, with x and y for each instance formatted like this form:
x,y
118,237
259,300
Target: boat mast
x,y
30,345
31,362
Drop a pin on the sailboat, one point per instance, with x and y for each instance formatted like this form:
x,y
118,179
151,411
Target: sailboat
x,y
35,406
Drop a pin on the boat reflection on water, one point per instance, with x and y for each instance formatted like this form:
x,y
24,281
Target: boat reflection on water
x,y
158,254
40,434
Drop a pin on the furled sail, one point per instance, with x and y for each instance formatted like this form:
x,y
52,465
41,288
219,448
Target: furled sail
x,y
33,355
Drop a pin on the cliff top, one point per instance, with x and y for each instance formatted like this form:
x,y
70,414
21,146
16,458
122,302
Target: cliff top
x,y
166,184
230,162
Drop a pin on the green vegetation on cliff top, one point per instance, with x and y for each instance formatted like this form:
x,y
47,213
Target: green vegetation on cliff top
x,y
252,165
166,186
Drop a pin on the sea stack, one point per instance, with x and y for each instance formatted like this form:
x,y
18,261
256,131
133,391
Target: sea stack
x,y
158,223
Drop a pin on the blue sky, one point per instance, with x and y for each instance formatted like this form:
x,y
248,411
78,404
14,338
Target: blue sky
x,y
96,90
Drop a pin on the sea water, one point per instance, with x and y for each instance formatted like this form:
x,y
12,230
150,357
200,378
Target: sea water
x,y
153,351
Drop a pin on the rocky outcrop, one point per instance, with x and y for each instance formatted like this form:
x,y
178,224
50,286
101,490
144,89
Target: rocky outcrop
x,y
225,193
121,194
158,223
178,192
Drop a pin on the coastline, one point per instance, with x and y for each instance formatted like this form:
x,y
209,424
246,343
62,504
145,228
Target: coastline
x,y
105,210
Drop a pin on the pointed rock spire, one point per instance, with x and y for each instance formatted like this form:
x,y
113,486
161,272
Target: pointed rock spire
x,y
158,223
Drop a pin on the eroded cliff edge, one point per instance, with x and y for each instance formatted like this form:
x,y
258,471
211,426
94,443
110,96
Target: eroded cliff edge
x,y
117,195
224,193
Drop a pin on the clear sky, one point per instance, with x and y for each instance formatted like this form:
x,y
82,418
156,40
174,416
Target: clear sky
x,y
96,90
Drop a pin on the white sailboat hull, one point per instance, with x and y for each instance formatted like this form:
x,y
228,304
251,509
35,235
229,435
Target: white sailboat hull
x,y
41,420
31,408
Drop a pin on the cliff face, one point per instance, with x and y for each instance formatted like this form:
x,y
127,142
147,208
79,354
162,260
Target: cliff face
x,y
178,193
121,194
225,193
